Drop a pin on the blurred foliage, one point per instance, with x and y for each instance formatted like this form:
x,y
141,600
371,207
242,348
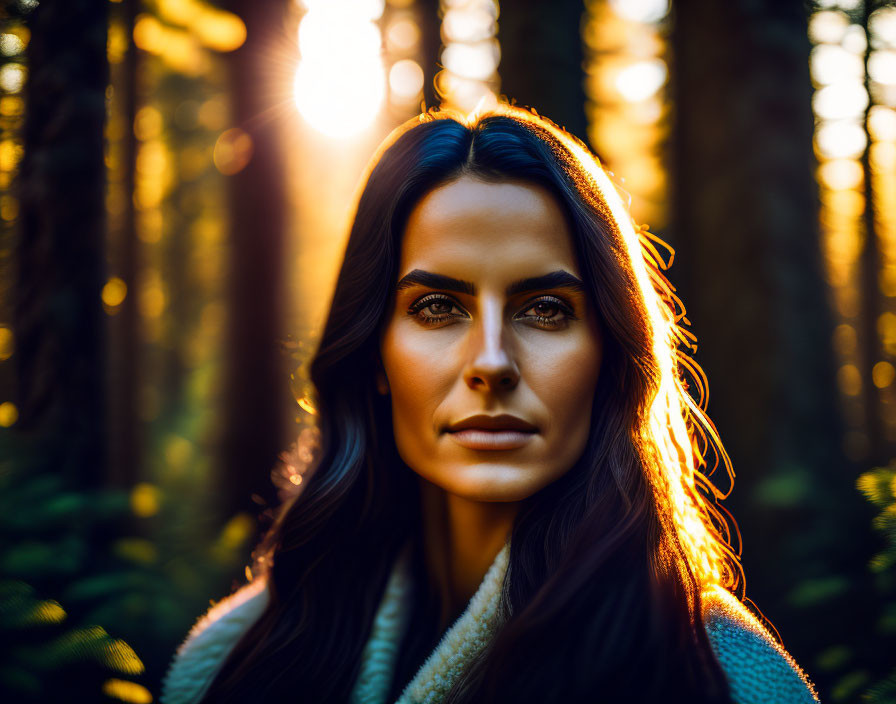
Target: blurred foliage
x,y
50,651
879,487
36,646
78,601
860,669
98,587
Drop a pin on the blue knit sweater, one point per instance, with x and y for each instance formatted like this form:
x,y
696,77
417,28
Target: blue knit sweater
x,y
758,669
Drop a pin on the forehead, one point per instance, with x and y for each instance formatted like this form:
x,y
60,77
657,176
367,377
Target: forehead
x,y
471,228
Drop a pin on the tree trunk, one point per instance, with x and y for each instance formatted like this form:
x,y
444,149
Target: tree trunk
x,y
871,350
430,49
750,273
257,376
124,430
60,252
541,60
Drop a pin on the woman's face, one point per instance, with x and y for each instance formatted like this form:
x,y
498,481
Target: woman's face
x,y
491,351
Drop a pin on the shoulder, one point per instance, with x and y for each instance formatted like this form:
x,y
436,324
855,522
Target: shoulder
x,y
209,642
757,667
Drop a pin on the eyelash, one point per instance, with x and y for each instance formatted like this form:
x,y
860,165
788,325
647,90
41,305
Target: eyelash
x,y
416,309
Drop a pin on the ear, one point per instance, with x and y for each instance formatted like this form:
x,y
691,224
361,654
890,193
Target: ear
x,y
382,383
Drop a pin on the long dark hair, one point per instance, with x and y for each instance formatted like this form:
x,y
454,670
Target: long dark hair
x,y
601,599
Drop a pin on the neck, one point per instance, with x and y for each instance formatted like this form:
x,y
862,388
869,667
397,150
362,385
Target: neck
x,y
461,539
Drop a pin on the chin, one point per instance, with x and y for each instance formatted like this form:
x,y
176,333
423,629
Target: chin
x,y
489,481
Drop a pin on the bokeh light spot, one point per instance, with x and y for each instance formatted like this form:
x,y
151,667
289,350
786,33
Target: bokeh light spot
x,y
213,113
882,123
840,100
882,374
152,300
840,139
849,380
236,531
9,208
178,451
12,77
126,691
831,63
887,281
882,24
474,62
10,44
828,27
469,24
220,30
840,174
845,340
145,500
7,343
11,106
10,154
641,10
9,414
406,79
641,80
114,292
402,35
882,67
233,151
148,123
854,40
116,43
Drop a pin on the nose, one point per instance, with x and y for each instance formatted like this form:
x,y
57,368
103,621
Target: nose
x,y
491,366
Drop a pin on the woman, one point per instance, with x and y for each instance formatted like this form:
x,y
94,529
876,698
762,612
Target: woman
x,y
508,503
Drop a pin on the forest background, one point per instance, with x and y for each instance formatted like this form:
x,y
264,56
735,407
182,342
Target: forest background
x,y
176,178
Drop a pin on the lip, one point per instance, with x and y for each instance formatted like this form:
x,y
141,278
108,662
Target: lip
x,y
482,432
503,421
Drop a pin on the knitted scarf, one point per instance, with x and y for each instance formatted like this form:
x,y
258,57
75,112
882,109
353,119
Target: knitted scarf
x,y
461,643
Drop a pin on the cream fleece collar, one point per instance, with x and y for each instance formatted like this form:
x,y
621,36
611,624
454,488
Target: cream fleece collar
x,y
461,643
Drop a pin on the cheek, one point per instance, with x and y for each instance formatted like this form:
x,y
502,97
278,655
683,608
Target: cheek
x,y
565,384
419,376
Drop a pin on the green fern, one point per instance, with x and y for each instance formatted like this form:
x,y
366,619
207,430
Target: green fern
x,y
37,645
879,487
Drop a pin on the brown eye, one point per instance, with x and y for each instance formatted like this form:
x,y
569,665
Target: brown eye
x,y
439,307
548,312
435,308
546,309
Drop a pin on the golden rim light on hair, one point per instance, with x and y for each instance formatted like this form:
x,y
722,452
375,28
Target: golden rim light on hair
x,y
678,428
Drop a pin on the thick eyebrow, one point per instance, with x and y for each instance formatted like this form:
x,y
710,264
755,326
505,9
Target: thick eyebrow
x,y
418,277
555,279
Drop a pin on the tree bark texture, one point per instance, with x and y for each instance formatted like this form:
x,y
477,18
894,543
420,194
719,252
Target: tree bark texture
x,y
750,271
58,316
125,440
257,377
541,60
